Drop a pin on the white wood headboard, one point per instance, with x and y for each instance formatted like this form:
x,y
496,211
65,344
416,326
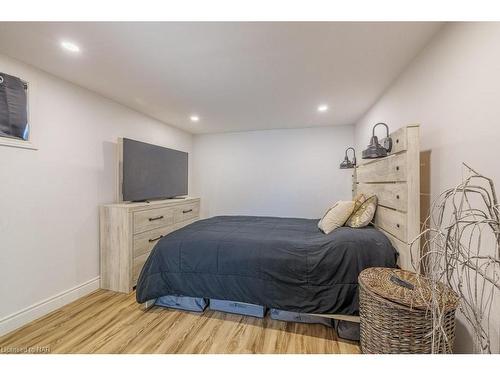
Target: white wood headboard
x,y
395,180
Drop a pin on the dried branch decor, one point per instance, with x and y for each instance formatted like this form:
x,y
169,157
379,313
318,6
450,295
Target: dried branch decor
x,y
461,248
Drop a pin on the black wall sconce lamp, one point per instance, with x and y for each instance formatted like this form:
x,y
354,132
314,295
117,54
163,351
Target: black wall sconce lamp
x,y
347,164
374,149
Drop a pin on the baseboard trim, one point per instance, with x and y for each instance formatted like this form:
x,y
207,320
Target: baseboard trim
x,y
37,310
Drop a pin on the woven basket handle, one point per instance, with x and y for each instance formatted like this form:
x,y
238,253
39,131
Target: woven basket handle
x,y
405,284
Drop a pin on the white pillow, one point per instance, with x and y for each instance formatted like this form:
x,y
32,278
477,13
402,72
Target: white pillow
x,y
336,216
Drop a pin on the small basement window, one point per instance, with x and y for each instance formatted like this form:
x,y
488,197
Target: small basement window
x,y
15,128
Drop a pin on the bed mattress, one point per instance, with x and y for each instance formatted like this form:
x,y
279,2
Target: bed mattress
x,y
281,263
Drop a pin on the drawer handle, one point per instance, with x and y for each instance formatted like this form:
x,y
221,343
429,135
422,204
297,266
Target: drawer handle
x,y
155,239
156,218
186,211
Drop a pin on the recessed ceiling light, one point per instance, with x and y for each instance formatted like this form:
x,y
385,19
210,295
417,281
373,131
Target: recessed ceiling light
x,y
322,108
194,118
68,46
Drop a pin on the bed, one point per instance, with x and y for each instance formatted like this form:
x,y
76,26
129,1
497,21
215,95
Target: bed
x,y
287,263
281,263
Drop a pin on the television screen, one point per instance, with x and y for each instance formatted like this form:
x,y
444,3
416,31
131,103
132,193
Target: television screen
x,y
153,172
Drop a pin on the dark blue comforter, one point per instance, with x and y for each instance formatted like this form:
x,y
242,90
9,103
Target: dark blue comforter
x,y
282,263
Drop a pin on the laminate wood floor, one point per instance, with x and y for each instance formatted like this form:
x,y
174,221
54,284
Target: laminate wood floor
x,y
108,322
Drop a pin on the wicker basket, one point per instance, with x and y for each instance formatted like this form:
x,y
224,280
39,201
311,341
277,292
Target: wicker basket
x,y
394,314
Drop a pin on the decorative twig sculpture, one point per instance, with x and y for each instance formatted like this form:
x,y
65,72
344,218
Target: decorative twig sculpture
x,y
461,248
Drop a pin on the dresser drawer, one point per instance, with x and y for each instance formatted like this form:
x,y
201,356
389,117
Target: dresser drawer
x,y
186,212
152,219
137,265
129,231
144,242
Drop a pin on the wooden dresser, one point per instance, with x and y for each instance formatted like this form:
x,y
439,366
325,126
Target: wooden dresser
x,y
129,231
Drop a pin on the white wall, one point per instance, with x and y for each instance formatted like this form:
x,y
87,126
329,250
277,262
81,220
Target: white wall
x,y
452,89
273,172
49,198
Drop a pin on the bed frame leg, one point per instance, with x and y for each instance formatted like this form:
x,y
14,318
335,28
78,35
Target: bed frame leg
x,y
147,305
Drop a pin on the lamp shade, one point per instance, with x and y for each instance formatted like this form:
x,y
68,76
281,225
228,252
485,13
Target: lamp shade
x,y
347,164
375,149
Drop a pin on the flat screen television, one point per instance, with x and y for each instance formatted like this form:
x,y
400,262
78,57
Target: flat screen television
x,y
152,172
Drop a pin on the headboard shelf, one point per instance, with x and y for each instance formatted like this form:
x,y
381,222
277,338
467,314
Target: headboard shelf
x,y
395,180
390,194
393,222
390,168
401,247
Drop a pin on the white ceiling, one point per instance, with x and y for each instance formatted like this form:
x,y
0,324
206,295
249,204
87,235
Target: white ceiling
x,y
235,76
